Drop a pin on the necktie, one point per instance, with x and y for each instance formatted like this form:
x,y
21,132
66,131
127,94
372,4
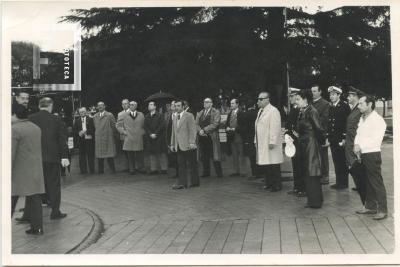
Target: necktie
x,y
259,114
179,117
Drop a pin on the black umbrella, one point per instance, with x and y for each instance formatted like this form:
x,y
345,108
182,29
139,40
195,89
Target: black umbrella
x,y
160,96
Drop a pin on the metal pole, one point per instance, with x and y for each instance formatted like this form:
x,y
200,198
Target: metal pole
x,y
287,65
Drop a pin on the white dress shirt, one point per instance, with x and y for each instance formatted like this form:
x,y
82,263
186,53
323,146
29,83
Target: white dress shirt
x,y
84,128
370,133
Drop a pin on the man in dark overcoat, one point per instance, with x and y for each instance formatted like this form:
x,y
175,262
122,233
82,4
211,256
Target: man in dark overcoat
x,y
172,155
338,113
54,151
84,136
154,126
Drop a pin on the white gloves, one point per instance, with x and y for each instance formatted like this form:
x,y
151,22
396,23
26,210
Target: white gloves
x,y
64,162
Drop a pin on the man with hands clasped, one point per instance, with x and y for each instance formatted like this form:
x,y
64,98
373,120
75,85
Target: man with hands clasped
x,y
183,142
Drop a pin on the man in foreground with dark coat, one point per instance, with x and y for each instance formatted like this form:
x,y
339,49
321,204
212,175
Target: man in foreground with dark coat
x,y
54,151
338,113
84,136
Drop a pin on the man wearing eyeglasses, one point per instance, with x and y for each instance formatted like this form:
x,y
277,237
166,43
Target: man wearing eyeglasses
x,y
207,123
268,142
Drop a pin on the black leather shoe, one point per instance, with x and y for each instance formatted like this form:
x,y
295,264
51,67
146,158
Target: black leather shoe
x,y
301,194
194,185
275,189
354,189
205,175
292,192
266,187
34,231
22,220
21,209
164,172
234,175
58,216
178,186
132,173
338,187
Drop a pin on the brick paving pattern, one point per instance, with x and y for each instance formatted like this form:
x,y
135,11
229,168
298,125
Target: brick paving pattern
x,y
142,214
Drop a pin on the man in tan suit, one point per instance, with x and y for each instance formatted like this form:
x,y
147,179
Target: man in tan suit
x,y
132,127
183,141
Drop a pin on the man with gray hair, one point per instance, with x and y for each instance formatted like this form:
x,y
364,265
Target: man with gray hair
x,y
54,151
83,130
131,126
105,135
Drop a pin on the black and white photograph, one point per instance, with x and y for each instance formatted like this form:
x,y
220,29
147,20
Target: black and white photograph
x,y
199,133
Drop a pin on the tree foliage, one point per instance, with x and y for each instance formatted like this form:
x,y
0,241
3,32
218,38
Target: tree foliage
x,y
195,52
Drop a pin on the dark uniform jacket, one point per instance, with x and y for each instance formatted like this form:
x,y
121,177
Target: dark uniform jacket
x,y
54,136
322,107
337,122
78,127
291,123
351,131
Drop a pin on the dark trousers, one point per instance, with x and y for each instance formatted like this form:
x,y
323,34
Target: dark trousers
x,y
298,180
313,191
250,152
86,155
272,173
52,183
135,160
359,175
110,162
33,210
206,155
173,161
376,192
324,162
339,161
187,161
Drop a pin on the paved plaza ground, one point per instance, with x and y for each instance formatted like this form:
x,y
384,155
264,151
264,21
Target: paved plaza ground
x,y
122,213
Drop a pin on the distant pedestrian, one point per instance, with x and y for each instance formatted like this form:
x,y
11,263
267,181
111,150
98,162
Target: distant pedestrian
x,y
54,151
183,142
293,132
268,140
367,146
105,135
125,110
310,131
235,139
322,107
156,148
27,171
338,113
132,127
209,147
84,132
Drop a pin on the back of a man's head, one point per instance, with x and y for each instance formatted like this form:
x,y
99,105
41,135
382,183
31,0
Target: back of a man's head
x,y
45,102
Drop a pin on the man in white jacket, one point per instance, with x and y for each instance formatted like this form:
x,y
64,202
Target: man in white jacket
x,y
268,141
367,147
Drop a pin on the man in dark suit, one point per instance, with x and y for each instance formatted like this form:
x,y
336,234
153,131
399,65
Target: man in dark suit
x,y
54,151
183,141
338,113
234,138
84,136
322,106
